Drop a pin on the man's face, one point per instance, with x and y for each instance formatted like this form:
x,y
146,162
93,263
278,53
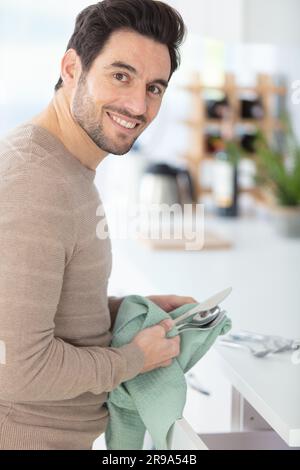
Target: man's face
x,y
122,92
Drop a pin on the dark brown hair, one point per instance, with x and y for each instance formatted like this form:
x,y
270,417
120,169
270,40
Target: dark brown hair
x,y
153,19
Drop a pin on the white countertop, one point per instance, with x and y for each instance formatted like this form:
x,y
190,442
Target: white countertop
x,y
264,271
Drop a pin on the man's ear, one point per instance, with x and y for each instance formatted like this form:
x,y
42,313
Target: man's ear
x,y
70,68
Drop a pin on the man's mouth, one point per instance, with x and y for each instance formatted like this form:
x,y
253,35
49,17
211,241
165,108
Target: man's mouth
x,y
125,124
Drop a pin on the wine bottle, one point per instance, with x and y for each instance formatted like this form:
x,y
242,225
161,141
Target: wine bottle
x,y
252,109
225,185
248,142
217,109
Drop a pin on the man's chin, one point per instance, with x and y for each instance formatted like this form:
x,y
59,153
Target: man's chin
x,y
106,144
120,153
116,149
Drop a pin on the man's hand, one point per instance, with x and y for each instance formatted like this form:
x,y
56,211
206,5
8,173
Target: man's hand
x,y
170,302
158,350
166,302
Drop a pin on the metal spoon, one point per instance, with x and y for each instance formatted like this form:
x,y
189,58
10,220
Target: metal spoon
x,y
207,305
196,326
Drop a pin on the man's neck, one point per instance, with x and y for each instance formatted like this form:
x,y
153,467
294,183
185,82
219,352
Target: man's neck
x,y
58,120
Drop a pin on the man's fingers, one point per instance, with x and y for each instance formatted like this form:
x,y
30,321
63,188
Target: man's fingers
x,y
167,324
165,363
175,301
184,300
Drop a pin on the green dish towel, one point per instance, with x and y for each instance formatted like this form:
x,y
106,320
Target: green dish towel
x,y
156,399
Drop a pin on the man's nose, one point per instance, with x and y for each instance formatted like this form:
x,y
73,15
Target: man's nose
x,y
136,102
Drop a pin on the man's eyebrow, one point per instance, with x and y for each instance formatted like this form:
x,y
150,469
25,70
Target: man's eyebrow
x,y
130,68
161,82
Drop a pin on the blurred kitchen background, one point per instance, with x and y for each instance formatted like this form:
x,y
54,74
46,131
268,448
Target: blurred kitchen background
x,y
239,66
226,136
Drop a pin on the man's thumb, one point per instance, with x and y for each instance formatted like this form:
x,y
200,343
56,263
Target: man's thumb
x,y
167,324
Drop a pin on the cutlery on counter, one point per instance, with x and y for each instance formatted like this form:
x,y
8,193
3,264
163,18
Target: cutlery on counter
x,y
259,345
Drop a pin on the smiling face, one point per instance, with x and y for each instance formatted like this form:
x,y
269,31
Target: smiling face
x,y
122,92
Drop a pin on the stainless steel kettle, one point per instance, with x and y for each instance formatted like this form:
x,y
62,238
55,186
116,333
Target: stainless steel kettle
x,y
165,184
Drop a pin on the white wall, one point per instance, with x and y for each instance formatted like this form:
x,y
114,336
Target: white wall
x,y
271,22
218,19
276,23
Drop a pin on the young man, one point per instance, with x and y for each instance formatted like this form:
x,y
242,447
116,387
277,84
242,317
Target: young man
x,y
56,366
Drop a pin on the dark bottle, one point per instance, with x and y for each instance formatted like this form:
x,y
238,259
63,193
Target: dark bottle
x,y
217,109
248,143
252,109
225,185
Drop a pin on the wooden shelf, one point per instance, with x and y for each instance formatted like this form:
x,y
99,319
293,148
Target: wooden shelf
x,y
252,191
237,122
199,122
281,91
211,156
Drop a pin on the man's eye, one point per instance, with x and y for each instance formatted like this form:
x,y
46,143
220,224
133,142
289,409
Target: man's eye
x,y
121,77
155,90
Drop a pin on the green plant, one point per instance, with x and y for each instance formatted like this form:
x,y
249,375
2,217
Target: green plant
x,y
280,171
234,151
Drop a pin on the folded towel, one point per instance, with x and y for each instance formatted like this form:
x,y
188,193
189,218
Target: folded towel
x,y
153,400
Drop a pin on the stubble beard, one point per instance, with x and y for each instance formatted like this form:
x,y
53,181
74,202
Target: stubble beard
x,y
85,114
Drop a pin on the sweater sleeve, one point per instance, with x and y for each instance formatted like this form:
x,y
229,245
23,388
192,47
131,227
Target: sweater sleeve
x,y
36,243
114,305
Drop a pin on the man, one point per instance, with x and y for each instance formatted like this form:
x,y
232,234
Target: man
x,y
56,366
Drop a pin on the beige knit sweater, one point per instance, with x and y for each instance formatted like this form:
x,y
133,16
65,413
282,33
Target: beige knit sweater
x,y
56,365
